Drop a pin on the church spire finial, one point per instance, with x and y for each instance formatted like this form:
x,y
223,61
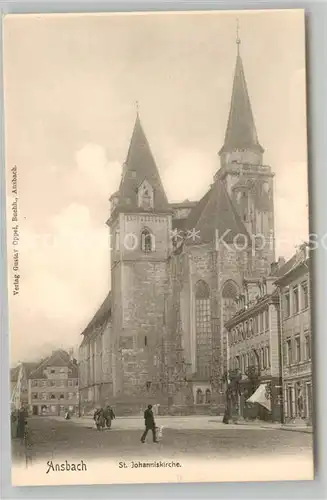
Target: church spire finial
x,y
238,40
137,107
241,132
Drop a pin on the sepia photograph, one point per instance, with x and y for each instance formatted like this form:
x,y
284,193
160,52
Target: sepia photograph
x,y
158,247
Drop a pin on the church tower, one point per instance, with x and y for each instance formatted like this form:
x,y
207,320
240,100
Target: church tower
x,y
248,181
140,229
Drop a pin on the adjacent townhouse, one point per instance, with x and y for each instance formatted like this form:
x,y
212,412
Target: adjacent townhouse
x,y
53,386
253,348
296,336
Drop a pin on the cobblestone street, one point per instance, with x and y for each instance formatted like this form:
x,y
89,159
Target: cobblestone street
x,y
54,438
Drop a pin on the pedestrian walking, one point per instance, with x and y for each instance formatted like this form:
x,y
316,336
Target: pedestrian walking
x,y
149,424
99,419
109,416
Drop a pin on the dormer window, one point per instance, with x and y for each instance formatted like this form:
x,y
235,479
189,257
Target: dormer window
x,y
145,195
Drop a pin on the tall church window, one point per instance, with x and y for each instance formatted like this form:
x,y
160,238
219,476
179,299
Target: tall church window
x,y
203,328
229,294
147,241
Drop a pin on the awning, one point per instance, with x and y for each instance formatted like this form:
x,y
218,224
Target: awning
x,y
260,396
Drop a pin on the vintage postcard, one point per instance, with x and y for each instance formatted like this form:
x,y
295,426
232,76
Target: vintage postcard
x,y
158,247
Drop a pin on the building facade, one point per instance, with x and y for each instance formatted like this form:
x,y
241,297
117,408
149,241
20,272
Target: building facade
x,y
53,386
19,384
254,348
96,360
295,304
176,270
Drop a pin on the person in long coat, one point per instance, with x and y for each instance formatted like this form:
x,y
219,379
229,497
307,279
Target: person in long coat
x,y
21,421
149,424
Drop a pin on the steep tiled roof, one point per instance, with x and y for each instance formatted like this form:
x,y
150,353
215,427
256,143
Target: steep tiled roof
x,y
140,165
286,267
101,316
58,358
215,211
28,368
241,131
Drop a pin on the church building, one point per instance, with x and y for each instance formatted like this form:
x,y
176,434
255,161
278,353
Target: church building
x,y
176,270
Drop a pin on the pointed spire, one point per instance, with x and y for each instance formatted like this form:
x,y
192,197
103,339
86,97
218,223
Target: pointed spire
x,y
140,165
241,133
238,40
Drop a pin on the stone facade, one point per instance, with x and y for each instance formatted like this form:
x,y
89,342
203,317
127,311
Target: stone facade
x,y
96,360
176,270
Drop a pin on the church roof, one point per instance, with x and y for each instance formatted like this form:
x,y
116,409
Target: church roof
x,y
215,211
101,316
28,368
140,165
241,132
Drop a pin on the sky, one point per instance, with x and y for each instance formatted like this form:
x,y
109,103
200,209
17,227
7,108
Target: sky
x,y
71,83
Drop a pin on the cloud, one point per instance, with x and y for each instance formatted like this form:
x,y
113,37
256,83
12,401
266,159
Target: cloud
x,y
64,268
181,177
94,176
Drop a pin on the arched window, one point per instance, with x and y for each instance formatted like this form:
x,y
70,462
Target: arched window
x,y
145,340
53,396
147,241
203,329
199,397
208,396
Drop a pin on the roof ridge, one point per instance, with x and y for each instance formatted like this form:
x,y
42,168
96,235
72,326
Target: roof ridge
x,y
96,317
